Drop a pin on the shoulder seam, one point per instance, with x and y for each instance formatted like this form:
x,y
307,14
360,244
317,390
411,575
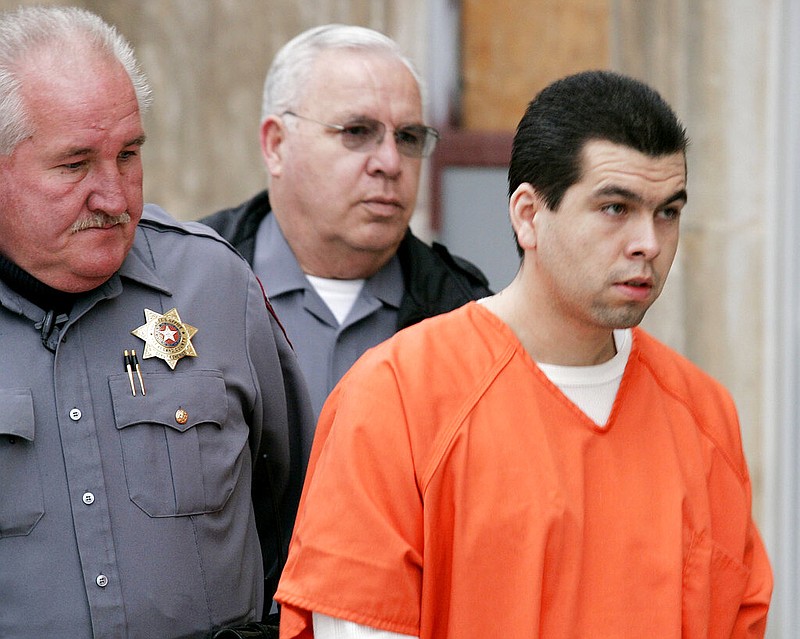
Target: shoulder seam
x,y
457,423
699,423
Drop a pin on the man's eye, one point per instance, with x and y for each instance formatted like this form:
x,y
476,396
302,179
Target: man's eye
x,y
359,131
411,136
73,166
614,209
670,213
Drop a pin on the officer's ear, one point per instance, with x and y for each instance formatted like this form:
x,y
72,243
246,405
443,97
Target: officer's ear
x,y
273,134
523,206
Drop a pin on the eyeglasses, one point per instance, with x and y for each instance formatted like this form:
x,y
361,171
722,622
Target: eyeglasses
x,y
365,134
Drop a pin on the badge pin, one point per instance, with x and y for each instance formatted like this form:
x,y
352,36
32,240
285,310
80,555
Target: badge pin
x,y
166,336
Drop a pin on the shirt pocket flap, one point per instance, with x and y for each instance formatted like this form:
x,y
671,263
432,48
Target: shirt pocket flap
x,y
16,413
179,401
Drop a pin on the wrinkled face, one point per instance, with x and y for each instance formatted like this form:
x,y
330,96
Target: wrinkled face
x,y
607,250
71,194
339,200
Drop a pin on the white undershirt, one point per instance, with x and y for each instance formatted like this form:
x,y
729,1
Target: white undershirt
x,y
326,627
339,295
591,388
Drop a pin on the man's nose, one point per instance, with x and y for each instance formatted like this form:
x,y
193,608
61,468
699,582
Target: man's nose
x,y
108,192
385,158
644,239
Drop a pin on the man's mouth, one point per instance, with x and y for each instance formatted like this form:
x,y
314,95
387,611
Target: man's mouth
x,y
383,201
382,207
637,289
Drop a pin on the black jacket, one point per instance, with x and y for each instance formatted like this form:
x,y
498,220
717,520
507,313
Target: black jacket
x,y
435,280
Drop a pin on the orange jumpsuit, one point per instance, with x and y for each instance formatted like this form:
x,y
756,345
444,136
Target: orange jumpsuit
x,y
455,492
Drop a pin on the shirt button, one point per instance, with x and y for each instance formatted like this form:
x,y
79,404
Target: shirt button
x,y
75,414
102,581
88,498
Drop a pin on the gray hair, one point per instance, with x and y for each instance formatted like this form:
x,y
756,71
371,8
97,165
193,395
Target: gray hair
x,y
35,28
292,66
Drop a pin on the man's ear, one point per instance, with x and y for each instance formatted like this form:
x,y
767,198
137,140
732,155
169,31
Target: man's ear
x,y
523,205
273,133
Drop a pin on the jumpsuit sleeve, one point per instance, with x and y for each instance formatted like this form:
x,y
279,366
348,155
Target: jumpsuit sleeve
x,y
360,526
751,622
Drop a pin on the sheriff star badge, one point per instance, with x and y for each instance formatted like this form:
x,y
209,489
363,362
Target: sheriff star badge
x,y
166,336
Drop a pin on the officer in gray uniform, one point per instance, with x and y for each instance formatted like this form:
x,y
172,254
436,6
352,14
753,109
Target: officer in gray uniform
x,y
343,141
146,391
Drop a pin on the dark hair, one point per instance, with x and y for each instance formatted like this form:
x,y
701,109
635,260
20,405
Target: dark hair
x,y
592,105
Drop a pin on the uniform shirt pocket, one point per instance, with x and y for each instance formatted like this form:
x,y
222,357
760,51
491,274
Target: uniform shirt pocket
x,y
181,455
21,495
713,587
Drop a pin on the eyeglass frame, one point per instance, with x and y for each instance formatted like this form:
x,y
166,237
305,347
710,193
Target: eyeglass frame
x,y
428,146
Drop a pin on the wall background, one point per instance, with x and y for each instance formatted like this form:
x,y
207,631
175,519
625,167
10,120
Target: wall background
x,y
722,64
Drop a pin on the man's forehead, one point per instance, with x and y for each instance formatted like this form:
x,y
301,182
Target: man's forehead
x,y
617,171
88,78
604,155
347,74
54,59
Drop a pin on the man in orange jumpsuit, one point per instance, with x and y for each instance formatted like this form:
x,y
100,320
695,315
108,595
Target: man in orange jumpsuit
x,y
534,465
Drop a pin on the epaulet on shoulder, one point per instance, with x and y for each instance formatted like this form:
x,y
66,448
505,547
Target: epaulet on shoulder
x,y
158,219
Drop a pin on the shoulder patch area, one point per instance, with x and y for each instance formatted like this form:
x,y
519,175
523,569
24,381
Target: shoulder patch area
x,y
157,219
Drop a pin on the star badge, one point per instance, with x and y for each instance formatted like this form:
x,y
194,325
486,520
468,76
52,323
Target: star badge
x,y
166,336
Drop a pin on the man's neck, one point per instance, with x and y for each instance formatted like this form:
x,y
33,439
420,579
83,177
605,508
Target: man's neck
x,y
546,340
348,266
333,259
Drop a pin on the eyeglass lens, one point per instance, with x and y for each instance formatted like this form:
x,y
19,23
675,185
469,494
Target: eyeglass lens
x,y
413,140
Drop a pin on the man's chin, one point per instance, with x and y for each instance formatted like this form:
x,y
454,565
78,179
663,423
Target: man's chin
x,y
85,276
382,239
624,318
632,320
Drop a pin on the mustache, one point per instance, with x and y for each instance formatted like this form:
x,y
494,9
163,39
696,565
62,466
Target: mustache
x,y
99,221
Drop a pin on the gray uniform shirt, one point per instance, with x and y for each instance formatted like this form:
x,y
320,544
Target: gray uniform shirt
x,y
131,516
325,349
